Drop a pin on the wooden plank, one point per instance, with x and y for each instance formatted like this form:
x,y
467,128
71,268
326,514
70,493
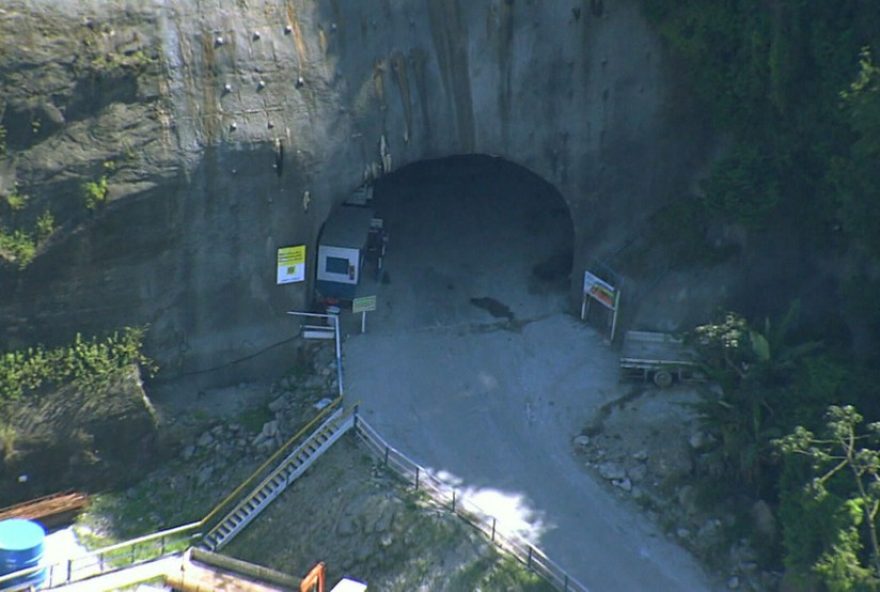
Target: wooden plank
x,y
51,510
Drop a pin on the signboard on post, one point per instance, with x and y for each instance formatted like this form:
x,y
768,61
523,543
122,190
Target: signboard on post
x,y
599,290
364,304
595,288
291,266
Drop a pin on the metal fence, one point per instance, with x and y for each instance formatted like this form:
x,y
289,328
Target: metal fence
x,y
108,559
449,498
152,546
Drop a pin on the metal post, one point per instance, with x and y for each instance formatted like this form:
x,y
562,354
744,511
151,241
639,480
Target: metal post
x,y
386,456
68,570
565,588
355,416
453,501
530,557
363,322
162,545
614,314
338,354
337,336
493,530
417,478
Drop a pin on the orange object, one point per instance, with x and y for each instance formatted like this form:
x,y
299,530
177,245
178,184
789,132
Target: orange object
x,y
314,581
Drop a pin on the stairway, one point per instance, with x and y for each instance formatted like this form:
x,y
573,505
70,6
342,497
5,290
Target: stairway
x,y
287,471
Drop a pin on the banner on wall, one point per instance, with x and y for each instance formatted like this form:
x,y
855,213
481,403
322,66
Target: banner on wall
x,y
291,264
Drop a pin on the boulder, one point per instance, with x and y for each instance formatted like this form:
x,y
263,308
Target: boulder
x,y
582,441
270,429
763,520
278,404
204,475
637,473
205,440
612,471
624,484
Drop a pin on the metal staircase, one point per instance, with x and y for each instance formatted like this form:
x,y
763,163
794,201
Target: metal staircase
x,y
287,471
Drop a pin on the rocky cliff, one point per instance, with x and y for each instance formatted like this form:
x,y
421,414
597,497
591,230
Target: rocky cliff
x,y
212,132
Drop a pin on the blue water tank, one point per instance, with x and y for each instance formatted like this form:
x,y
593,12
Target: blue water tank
x,y
21,547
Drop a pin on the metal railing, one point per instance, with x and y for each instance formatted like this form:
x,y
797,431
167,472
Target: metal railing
x,y
447,497
156,545
233,497
112,558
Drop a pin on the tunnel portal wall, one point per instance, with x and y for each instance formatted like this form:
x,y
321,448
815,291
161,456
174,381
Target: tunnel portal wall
x,y
266,114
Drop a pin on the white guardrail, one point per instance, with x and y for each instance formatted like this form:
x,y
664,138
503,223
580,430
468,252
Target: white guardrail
x,y
447,497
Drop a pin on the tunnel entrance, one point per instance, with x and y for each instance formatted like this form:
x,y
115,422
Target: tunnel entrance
x,y
472,238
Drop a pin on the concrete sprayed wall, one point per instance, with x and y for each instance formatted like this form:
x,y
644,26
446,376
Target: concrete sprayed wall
x,y
248,120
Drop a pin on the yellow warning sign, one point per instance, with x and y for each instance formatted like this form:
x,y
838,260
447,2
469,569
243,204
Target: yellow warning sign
x,y
291,264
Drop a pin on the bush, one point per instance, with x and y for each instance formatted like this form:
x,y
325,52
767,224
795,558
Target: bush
x,y
87,363
94,193
17,246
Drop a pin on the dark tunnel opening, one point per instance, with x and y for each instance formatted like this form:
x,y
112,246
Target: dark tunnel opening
x,y
473,232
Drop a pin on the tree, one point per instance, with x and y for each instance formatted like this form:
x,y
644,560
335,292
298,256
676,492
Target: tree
x,y
844,471
752,372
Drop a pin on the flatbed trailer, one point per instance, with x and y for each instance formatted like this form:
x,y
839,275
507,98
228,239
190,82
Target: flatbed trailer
x,y
657,357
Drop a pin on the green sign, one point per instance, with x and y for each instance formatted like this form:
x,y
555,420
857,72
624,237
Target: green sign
x,y
364,304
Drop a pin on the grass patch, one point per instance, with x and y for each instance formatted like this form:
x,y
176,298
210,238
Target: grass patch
x,y
253,418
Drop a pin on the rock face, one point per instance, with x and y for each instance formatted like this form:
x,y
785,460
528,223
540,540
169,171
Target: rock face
x,y
228,129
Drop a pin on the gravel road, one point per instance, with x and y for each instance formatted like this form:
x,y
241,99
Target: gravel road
x,y
481,373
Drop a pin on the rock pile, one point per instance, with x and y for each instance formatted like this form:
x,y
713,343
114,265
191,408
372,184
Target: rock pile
x,y
649,454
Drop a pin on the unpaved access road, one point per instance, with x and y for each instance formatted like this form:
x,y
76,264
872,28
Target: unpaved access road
x,y
479,374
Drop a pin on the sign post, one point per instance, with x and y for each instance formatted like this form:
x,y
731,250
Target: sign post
x,y
363,305
605,294
291,265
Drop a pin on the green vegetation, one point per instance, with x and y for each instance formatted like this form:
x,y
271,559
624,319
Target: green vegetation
x,y
16,201
794,85
839,497
86,363
45,226
94,193
795,88
17,246
770,382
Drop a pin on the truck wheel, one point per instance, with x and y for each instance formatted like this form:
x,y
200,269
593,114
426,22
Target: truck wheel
x,y
663,378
